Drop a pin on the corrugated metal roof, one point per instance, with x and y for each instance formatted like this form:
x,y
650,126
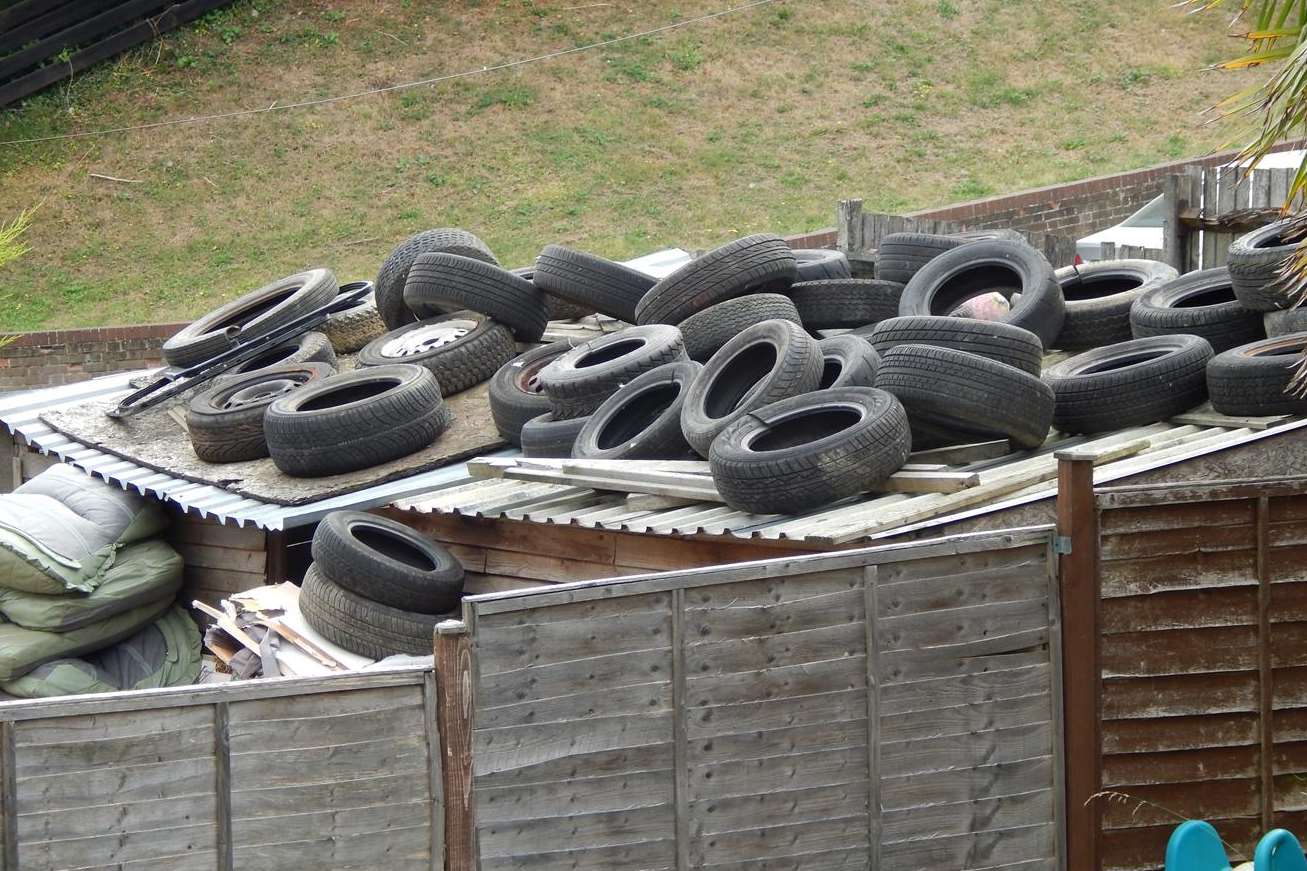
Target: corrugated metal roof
x,y
20,413
863,518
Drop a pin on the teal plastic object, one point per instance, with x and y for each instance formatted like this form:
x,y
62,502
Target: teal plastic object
x,y
1195,846
1278,850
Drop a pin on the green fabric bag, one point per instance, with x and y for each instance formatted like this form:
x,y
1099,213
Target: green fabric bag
x,y
140,573
164,654
22,650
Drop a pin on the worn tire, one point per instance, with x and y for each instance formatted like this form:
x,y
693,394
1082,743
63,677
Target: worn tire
x,y
1099,296
963,393
838,303
642,420
1004,266
706,331
559,309
996,341
592,282
1253,379
355,420
813,264
461,349
255,314
387,562
808,451
1129,384
1283,323
1254,262
361,625
1197,304
579,381
765,363
847,361
755,264
445,283
515,392
225,422
356,326
902,255
544,436
395,268
311,347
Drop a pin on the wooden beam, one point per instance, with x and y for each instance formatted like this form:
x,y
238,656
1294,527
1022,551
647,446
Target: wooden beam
x,y
1205,415
954,455
453,656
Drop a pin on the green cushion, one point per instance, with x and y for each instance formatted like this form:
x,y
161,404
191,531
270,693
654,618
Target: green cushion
x,y
22,650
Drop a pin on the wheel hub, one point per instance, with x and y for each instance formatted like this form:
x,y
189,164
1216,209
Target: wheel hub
x,y
427,338
261,392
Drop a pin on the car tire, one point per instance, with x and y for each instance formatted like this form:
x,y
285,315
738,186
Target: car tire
x,y
255,314
225,422
642,420
1254,262
760,263
355,420
1132,383
902,255
353,328
545,436
1099,296
592,282
1197,304
311,347
1283,323
847,361
814,264
362,626
974,397
579,381
446,283
765,363
461,349
844,303
1005,343
1253,380
1004,266
387,562
808,451
706,331
515,392
395,268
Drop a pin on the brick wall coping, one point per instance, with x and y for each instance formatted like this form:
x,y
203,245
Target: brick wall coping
x,y
92,334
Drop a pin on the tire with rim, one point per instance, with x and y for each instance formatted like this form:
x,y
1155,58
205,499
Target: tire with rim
x,y
387,562
808,451
765,363
997,266
996,341
591,282
953,391
1197,304
225,423
355,420
1254,263
461,349
1283,323
544,436
841,303
706,331
812,264
446,283
361,625
902,255
579,381
1253,379
255,314
1129,384
642,420
515,392
310,347
1099,296
394,269
847,361
760,263
357,325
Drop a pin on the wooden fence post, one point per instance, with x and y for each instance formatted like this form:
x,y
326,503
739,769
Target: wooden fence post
x,y
1077,529
848,226
454,715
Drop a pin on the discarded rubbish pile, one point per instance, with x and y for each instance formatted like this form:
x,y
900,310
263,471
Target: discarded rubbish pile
x,y
87,591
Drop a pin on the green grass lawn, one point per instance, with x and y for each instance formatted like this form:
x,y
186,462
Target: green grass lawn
x,y
757,121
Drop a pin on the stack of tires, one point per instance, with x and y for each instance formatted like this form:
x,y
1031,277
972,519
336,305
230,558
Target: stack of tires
x,y
376,587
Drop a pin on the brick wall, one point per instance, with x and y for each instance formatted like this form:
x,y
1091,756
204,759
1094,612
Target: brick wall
x,y
63,356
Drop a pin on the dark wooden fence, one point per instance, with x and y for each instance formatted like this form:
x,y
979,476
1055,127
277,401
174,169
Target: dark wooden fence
x,y
44,41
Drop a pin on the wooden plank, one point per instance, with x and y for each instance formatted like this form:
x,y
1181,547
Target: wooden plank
x,y
456,704
1126,771
1180,695
548,568
991,584
1151,805
582,766
758,616
72,756
294,827
768,810
226,559
929,755
105,819
752,654
126,783
787,841
1205,415
318,731
335,762
983,814
706,604
534,645
982,782
649,855
762,744
789,771
8,799
122,849
1180,609
435,778
58,16
1171,572
680,742
109,726
587,795
574,832
968,689
1180,651
731,719
248,717
640,698
992,849
958,454
956,625
566,678
875,744
515,747
369,788
962,720
389,849
1180,733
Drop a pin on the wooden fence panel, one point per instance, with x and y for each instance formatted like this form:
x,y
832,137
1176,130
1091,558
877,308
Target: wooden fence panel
x,y
832,711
